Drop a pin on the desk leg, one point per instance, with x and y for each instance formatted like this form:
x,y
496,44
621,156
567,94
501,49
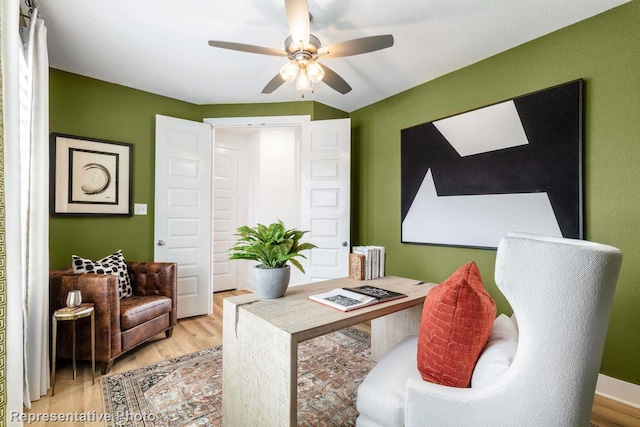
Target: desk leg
x,y
54,333
259,372
389,330
93,347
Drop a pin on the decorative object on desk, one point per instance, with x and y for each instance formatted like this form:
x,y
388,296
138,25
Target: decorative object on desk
x,y
273,247
74,298
271,282
464,177
90,176
356,266
188,390
347,299
374,261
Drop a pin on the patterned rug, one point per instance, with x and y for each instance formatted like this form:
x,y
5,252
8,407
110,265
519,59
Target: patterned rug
x,y
187,391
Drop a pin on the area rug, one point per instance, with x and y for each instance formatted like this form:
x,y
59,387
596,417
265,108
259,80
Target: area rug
x,y
187,391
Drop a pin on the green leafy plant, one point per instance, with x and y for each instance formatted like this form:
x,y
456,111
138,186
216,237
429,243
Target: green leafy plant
x,y
271,246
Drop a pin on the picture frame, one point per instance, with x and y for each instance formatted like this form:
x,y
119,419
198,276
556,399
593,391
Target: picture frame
x,y
90,177
514,166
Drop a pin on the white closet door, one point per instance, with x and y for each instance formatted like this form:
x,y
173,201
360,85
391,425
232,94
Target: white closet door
x,y
225,205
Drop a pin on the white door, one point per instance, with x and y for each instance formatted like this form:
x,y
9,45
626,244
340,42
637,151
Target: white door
x,y
325,184
225,217
183,209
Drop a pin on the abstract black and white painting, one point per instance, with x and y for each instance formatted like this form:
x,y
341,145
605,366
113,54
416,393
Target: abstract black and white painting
x,y
469,179
90,176
93,176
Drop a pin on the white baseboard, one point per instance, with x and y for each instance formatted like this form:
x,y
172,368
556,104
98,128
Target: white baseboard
x,y
615,389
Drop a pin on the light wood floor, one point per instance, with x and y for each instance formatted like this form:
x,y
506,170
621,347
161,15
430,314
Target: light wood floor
x,y
198,333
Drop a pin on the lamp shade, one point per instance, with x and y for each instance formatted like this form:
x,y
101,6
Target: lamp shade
x,y
303,83
289,71
315,71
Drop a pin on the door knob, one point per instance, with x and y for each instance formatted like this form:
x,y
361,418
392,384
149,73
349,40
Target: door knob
x,y
161,243
345,244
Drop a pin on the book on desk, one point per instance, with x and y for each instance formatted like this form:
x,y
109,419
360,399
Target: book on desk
x,y
347,299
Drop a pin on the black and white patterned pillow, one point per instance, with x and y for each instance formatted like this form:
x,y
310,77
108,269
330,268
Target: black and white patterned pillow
x,y
111,264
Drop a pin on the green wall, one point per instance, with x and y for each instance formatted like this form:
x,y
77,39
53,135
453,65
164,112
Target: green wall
x,y
92,108
324,112
603,51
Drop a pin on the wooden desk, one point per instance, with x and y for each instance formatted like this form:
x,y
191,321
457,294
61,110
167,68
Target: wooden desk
x,y
261,336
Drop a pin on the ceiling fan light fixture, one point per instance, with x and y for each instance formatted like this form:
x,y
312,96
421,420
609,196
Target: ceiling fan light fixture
x,y
289,71
315,71
303,83
302,49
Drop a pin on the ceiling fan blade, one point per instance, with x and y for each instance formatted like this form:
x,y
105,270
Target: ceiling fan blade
x,y
298,20
357,46
274,84
336,82
247,48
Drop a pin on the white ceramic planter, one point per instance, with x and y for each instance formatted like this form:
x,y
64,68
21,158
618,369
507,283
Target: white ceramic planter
x,y
271,282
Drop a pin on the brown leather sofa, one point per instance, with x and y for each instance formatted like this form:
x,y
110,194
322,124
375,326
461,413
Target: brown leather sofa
x,y
121,324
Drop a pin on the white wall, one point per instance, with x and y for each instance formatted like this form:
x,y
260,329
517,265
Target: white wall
x,y
278,185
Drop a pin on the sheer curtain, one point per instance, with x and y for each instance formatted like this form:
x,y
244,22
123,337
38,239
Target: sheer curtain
x,y
25,99
34,212
11,47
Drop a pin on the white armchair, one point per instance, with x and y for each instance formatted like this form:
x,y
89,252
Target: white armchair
x,y
561,291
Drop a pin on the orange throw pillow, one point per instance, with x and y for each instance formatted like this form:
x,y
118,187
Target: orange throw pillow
x,y
457,317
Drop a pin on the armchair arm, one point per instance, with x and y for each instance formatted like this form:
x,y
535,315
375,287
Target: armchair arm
x,y
102,291
156,278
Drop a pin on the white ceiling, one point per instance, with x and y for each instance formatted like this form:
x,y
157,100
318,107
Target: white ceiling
x,y
160,46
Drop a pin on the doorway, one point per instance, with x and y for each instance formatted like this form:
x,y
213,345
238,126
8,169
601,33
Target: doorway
x,y
296,170
312,195
256,180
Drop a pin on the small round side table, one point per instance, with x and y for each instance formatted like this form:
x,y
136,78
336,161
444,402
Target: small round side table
x,y
73,314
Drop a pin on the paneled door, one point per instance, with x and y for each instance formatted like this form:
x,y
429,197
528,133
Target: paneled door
x,y
325,196
225,217
182,224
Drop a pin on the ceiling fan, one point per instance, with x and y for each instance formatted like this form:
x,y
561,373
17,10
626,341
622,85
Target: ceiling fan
x,y
303,49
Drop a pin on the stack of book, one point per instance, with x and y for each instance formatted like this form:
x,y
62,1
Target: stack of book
x,y
367,262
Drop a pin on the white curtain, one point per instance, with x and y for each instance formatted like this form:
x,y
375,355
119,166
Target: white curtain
x,y
34,213
11,54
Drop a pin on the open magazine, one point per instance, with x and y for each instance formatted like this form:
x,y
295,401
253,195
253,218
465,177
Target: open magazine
x,y
347,299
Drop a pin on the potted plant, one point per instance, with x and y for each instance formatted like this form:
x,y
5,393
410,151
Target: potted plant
x,y
273,247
